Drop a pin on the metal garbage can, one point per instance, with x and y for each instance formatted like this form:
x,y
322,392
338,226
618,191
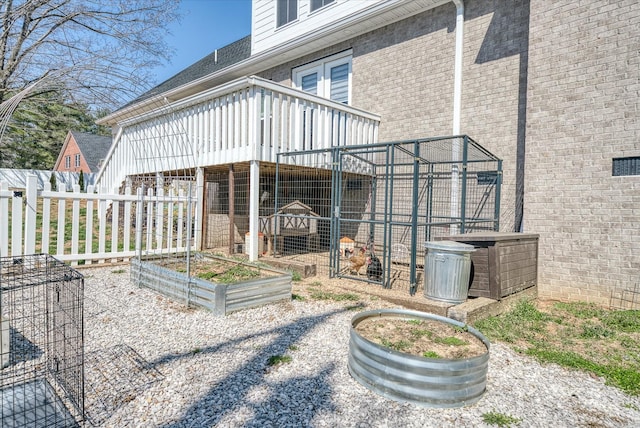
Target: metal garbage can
x,y
447,266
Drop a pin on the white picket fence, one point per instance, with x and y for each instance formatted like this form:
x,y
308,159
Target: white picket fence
x,y
92,227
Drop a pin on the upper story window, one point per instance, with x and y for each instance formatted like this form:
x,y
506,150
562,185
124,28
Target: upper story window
x,y
329,78
286,11
67,162
77,159
317,4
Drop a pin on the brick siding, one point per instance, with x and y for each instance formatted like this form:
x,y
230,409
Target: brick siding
x,y
583,110
552,83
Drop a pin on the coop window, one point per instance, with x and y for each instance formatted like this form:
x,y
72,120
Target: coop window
x,y
626,166
487,178
354,184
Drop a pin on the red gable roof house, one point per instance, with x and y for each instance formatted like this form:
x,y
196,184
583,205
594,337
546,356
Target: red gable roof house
x,y
82,152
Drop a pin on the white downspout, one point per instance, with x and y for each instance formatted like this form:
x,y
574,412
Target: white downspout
x,y
457,67
457,106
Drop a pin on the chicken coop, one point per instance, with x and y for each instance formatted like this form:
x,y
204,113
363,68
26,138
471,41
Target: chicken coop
x,y
384,201
42,347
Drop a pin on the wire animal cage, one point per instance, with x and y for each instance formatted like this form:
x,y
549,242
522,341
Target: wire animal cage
x,y
42,350
376,205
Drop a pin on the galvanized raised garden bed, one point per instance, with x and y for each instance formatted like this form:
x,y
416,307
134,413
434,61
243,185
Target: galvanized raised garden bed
x,y
427,382
219,293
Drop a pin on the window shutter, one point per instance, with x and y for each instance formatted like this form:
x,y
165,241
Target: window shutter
x,y
340,83
310,83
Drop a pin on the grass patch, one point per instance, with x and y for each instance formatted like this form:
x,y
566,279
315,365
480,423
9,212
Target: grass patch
x,y
357,307
431,354
499,419
399,346
419,332
337,297
627,379
580,336
237,273
275,360
452,341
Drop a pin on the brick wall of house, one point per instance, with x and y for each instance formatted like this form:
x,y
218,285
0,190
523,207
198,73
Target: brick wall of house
x,y
404,72
583,110
552,83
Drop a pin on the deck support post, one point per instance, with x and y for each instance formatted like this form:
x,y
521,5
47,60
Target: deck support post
x,y
232,210
254,201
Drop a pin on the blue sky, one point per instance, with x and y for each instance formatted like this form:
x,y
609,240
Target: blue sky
x,y
205,26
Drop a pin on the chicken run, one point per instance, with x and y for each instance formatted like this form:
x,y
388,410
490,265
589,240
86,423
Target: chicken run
x,y
369,210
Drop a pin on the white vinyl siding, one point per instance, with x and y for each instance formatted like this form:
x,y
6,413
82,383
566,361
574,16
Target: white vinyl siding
x,y
266,33
329,78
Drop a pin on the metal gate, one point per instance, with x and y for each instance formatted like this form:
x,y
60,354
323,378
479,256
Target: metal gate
x,y
65,330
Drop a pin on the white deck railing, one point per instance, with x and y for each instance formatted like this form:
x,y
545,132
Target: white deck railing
x,y
245,120
96,227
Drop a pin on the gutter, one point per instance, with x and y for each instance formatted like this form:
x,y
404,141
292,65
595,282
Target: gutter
x,y
457,107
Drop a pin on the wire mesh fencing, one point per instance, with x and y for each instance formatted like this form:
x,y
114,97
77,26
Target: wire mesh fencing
x,y
362,212
365,212
42,351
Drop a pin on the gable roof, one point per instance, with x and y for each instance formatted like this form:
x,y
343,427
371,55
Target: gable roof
x,y
216,60
93,147
235,60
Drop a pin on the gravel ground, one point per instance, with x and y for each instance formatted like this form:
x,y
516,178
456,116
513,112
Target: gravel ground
x,y
154,363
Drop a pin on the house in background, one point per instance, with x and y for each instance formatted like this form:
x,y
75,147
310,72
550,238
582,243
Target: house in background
x,y
551,88
82,152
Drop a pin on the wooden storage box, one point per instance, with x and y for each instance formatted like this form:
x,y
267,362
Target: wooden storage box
x,y
503,263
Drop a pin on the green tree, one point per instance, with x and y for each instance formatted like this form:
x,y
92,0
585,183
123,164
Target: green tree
x,y
38,127
81,181
53,182
76,58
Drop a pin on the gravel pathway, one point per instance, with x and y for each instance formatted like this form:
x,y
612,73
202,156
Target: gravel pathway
x,y
154,363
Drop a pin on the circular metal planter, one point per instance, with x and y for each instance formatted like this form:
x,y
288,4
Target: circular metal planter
x,y
423,381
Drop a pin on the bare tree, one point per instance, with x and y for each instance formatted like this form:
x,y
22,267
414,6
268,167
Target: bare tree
x,y
100,51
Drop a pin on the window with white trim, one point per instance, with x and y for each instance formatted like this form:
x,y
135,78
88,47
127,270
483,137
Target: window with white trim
x,y
67,162
329,77
77,159
286,11
317,4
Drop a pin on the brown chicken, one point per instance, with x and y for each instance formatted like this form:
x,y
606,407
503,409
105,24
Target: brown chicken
x,y
356,262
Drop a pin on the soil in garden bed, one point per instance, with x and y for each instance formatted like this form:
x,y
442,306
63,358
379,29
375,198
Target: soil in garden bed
x,y
424,338
222,271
